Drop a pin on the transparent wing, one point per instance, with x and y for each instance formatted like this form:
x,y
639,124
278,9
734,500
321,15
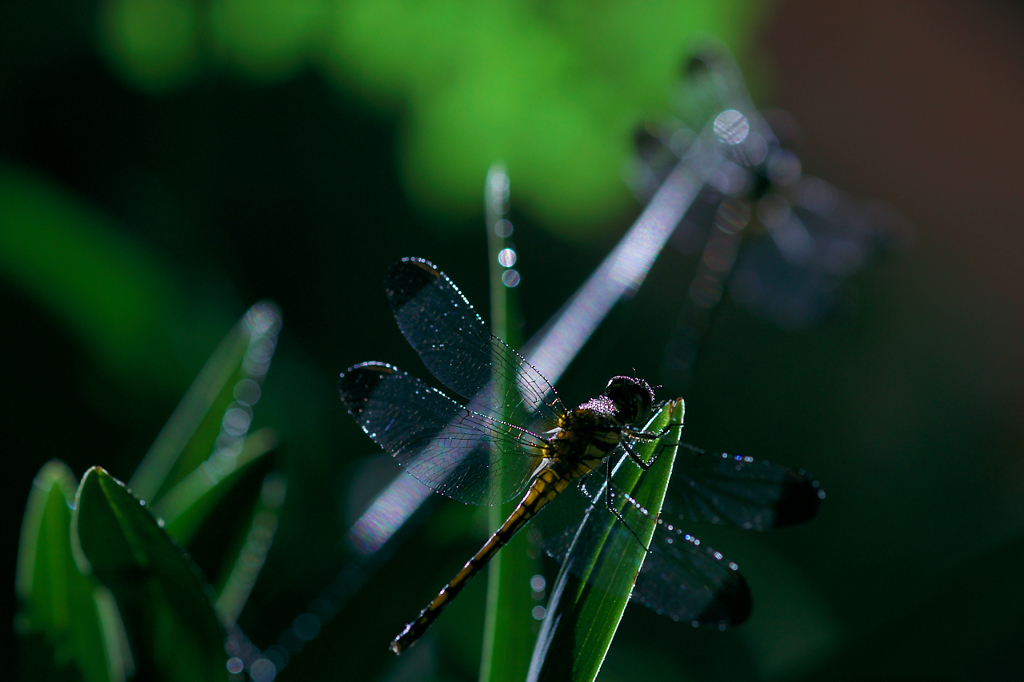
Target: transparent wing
x,y
688,581
681,578
454,344
461,454
740,491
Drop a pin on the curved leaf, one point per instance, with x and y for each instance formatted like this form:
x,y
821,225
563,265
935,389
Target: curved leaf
x,y
173,630
64,618
107,290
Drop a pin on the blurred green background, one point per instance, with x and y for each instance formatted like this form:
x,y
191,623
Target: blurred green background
x,y
166,163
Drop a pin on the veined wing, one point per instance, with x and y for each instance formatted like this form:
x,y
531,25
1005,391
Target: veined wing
x,y
454,344
740,491
686,580
681,577
462,454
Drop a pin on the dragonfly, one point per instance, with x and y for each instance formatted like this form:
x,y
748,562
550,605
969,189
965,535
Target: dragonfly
x,y
514,439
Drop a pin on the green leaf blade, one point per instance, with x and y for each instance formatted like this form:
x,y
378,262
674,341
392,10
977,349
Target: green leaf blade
x,y
509,626
64,618
237,585
189,503
112,294
174,631
584,612
213,417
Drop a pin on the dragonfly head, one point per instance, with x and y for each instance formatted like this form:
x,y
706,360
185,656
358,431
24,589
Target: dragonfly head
x,y
633,399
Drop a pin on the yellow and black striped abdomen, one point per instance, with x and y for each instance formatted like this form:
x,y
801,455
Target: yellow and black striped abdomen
x,y
545,487
585,439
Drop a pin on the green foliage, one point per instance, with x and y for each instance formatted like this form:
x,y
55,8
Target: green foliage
x,y
509,625
174,631
79,554
144,219
240,576
154,44
186,506
68,624
554,89
211,422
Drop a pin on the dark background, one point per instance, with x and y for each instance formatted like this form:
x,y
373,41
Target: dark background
x,y
906,403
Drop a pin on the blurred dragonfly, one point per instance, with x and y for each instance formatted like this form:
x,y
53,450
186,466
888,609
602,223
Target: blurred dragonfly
x,y
783,241
516,440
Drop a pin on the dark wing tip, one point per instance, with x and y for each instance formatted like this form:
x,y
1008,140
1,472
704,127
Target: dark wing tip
x,y
731,607
357,383
406,278
800,499
737,600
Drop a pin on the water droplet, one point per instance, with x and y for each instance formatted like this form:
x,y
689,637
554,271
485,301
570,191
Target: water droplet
x,y
731,127
507,257
263,670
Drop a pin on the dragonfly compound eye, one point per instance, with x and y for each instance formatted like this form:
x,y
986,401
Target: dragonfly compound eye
x,y
633,398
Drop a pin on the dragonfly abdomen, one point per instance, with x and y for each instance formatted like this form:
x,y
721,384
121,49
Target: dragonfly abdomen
x,y
545,487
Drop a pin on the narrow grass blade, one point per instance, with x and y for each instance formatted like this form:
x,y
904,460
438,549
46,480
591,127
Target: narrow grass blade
x,y
215,413
252,555
584,613
187,505
172,626
509,626
65,620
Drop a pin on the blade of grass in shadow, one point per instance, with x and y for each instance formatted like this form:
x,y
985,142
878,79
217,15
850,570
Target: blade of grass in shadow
x,y
593,587
172,627
215,413
509,626
64,618
232,597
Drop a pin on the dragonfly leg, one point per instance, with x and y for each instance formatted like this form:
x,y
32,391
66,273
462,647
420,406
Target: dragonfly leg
x,y
609,497
647,437
633,455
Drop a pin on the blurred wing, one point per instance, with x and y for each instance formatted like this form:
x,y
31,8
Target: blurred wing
x,y
461,454
681,577
454,344
740,491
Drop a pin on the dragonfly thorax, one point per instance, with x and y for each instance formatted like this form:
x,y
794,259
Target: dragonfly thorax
x,y
586,437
